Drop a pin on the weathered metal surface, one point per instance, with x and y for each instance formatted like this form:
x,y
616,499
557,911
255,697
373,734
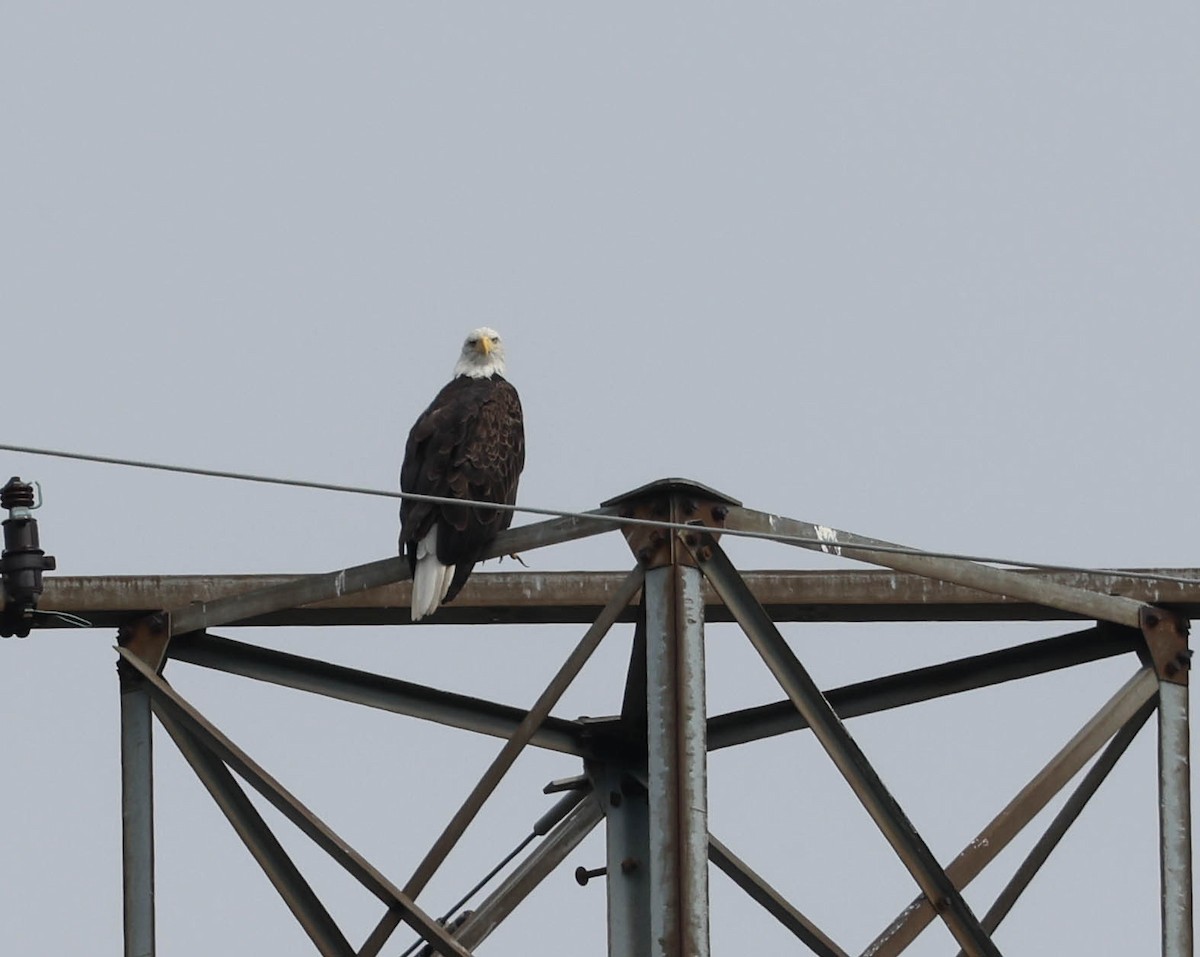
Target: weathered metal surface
x,y
895,826
147,637
137,816
997,581
167,699
676,756
372,690
771,900
1166,635
924,684
1175,820
348,581
1063,820
513,747
1115,714
533,597
296,892
679,501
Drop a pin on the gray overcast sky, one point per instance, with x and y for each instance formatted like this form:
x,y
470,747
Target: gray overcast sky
x,y
923,271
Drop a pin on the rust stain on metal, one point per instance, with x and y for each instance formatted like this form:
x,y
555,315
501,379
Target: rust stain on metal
x,y
1166,635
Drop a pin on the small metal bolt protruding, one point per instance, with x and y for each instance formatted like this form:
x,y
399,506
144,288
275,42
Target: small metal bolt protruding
x,y
615,798
706,553
1151,620
1184,658
583,875
719,512
645,553
689,506
1172,669
629,865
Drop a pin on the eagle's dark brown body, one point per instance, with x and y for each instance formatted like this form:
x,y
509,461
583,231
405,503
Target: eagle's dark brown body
x,y
469,444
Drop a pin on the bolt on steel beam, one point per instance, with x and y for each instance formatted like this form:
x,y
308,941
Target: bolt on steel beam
x,y
628,865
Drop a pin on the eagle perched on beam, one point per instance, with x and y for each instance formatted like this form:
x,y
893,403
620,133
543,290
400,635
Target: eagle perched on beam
x,y
469,444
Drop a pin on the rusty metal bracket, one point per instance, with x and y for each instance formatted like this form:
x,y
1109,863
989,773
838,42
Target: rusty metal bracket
x,y
147,638
678,501
1166,635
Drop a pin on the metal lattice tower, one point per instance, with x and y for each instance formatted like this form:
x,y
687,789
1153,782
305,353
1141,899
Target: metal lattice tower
x,y
643,771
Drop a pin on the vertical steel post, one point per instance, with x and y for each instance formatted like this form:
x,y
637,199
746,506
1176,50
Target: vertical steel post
x,y
137,815
627,830
1175,823
676,752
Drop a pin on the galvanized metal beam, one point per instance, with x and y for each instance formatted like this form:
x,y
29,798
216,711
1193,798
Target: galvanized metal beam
x,y
621,794
772,901
676,762
296,892
1175,819
372,690
565,597
841,747
925,684
137,815
167,700
997,581
1063,820
1117,712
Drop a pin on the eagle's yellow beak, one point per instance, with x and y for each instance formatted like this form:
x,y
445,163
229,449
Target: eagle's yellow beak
x,y
485,343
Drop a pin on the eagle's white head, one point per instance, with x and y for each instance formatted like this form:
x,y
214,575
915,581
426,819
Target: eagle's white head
x,y
482,355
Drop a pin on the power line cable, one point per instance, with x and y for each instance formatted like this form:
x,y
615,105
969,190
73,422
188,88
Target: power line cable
x,y
828,545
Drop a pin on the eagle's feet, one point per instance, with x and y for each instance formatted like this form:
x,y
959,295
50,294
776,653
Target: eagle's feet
x,y
516,558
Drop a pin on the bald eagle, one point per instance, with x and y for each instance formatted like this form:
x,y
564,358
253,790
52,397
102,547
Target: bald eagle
x,y
469,444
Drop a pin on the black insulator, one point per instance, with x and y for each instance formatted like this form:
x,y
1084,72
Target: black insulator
x,y
22,560
16,494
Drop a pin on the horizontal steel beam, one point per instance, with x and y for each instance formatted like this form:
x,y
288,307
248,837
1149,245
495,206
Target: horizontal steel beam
x,y
577,597
1086,603
372,690
924,684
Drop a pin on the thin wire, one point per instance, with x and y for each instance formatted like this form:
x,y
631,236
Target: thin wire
x,y
64,616
830,545
444,920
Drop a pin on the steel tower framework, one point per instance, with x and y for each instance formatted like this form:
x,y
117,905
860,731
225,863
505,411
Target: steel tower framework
x,y
644,770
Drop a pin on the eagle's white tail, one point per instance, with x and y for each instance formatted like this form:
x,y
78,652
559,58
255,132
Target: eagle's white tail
x,y
431,579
